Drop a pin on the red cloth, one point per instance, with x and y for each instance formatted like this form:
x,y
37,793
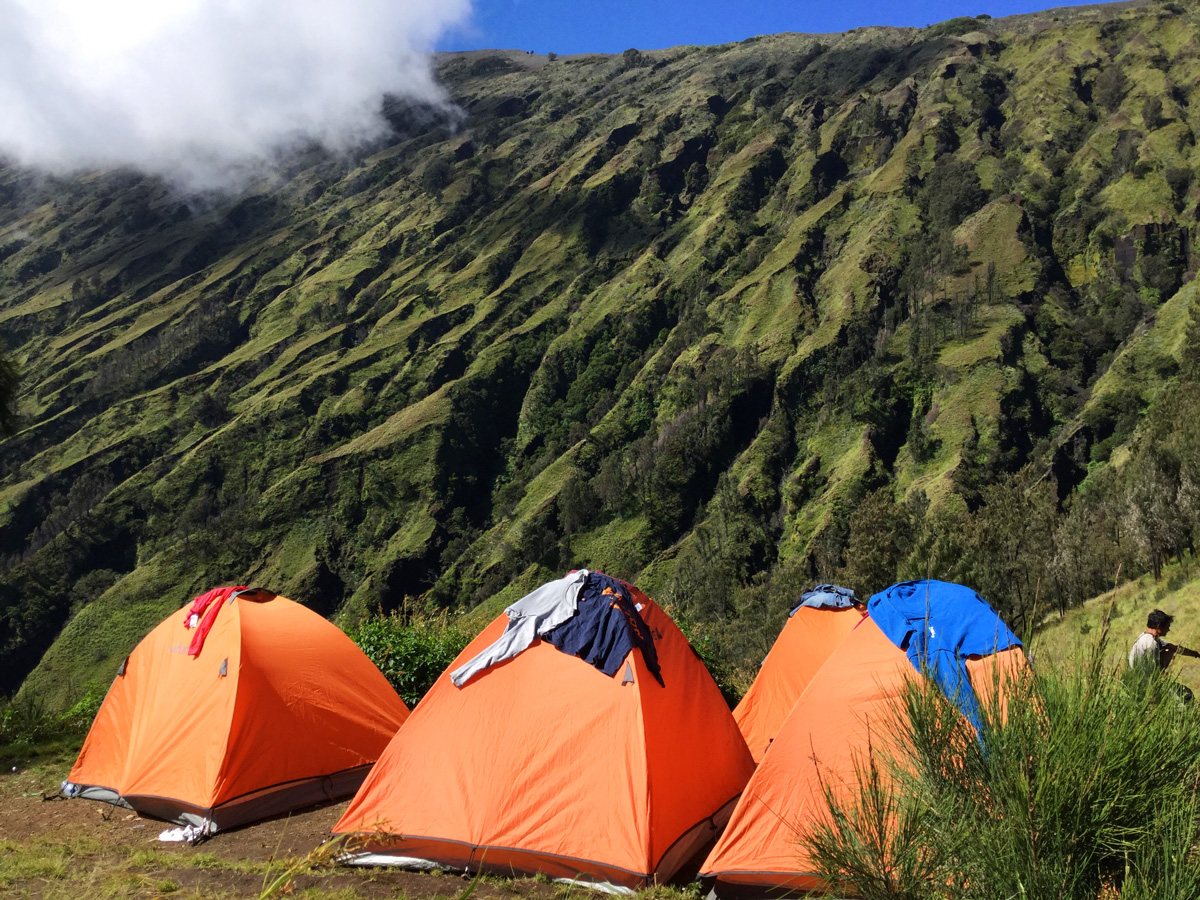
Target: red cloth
x,y
212,601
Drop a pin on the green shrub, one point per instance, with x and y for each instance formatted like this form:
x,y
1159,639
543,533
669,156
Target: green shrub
x,y
411,652
1083,786
27,729
707,644
953,27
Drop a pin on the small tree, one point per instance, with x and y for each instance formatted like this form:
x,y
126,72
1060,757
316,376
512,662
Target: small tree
x,y
880,539
1008,545
1110,88
1152,113
1151,503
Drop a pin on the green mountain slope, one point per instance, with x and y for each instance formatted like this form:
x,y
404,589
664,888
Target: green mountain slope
x,y
669,314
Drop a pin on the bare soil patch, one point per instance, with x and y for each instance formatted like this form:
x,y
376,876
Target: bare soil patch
x,y
57,848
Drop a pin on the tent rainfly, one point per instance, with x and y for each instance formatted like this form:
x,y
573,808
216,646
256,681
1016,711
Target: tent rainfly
x,y
815,629
607,759
241,706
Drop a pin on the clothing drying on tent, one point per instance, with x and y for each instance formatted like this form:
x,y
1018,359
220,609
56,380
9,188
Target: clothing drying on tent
x,y
607,625
586,614
817,626
849,704
277,710
826,596
528,619
545,764
939,626
202,615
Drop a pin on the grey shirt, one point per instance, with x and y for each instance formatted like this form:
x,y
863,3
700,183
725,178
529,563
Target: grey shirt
x,y
528,619
1148,648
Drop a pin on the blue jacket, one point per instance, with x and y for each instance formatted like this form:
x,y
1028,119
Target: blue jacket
x,y
938,625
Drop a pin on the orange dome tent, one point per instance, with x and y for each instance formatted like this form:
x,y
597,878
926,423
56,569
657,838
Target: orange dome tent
x,y
849,697
813,631
849,702
256,708
542,763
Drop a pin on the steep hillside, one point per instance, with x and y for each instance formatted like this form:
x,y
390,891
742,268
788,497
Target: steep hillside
x,y
670,314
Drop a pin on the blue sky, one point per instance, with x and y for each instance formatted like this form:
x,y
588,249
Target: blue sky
x,y
610,26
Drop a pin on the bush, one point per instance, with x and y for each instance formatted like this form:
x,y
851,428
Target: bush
x,y
1109,89
708,645
27,729
411,652
1081,784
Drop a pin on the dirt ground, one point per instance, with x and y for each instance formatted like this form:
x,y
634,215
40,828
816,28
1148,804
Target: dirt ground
x,y
83,849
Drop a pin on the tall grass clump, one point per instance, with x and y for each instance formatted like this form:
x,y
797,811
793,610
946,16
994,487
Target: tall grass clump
x,y
411,650
1081,784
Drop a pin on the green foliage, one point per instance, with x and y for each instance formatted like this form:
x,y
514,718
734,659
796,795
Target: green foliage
x,y
1082,782
1162,483
706,641
721,556
1189,357
879,543
1007,547
28,729
950,193
682,460
1109,88
1152,115
10,381
411,651
875,846
956,26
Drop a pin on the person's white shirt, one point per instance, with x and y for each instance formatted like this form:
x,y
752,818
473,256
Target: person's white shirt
x,y
1147,644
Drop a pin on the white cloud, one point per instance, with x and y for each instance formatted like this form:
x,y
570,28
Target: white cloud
x,y
191,89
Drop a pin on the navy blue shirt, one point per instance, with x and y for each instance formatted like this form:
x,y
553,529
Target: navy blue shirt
x,y
605,627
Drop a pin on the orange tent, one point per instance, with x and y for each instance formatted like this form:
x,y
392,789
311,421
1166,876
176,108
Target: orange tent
x,y
848,704
544,764
849,699
278,710
808,639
